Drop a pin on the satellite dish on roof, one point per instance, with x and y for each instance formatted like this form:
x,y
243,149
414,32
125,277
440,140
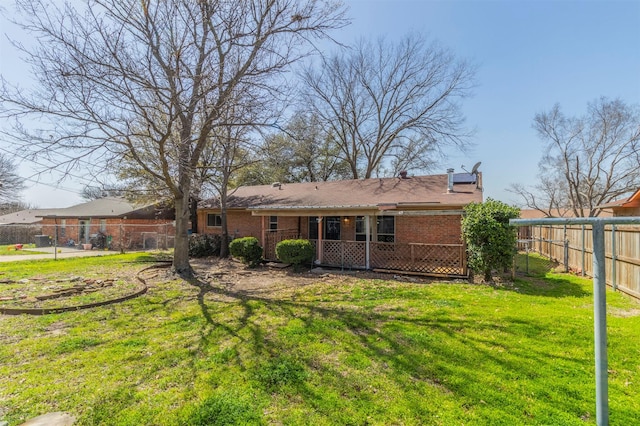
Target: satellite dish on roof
x,y
474,170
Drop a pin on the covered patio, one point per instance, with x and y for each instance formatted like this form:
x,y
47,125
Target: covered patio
x,y
373,241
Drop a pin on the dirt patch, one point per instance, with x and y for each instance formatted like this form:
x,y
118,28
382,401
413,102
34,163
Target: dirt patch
x,y
48,293
624,313
271,280
237,277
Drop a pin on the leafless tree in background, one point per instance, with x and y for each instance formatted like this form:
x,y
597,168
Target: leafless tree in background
x,y
301,151
10,183
153,79
397,102
589,160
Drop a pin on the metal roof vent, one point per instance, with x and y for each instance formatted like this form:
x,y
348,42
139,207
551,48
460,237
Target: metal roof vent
x,y
403,174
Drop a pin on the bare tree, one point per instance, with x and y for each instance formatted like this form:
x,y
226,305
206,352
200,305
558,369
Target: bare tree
x,y
396,102
152,80
10,183
301,151
589,160
232,145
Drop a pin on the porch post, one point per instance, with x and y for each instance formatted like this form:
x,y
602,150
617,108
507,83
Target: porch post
x,y
367,248
319,248
263,232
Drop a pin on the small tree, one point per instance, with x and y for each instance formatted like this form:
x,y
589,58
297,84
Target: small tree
x,y
489,237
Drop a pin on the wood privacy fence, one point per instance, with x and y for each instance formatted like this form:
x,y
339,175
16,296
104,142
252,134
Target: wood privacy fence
x,y
572,245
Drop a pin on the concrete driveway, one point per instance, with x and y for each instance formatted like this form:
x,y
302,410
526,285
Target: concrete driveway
x,y
62,253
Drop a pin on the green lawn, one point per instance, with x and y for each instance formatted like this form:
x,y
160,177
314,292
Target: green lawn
x,y
337,351
10,250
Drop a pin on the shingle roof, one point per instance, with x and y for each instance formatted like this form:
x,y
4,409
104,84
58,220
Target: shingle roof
x,y
24,217
361,193
104,208
632,201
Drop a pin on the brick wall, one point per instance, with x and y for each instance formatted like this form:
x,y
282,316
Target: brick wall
x,y
436,229
239,224
443,229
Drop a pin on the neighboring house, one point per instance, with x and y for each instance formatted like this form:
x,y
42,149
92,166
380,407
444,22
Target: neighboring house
x,y
627,207
404,224
112,222
22,226
556,213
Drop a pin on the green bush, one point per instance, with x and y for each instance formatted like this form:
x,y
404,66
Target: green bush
x,y
491,241
247,249
204,245
296,252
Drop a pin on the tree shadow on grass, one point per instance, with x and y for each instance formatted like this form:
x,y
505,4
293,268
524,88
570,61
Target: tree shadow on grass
x,y
549,286
446,352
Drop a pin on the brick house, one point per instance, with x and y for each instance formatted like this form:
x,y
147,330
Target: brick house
x,y
627,207
121,224
403,224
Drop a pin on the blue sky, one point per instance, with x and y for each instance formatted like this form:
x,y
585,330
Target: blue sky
x,y
530,55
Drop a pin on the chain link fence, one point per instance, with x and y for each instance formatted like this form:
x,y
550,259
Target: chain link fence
x,y
529,262
91,236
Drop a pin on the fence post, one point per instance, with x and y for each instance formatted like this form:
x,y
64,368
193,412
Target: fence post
x,y
121,242
566,250
540,240
367,242
582,251
614,283
600,323
55,242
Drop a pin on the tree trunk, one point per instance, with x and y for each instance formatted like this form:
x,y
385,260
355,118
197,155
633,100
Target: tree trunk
x,y
193,213
224,244
181,264
224,241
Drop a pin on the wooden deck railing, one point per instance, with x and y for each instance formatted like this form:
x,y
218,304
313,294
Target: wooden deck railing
x,y
412,258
